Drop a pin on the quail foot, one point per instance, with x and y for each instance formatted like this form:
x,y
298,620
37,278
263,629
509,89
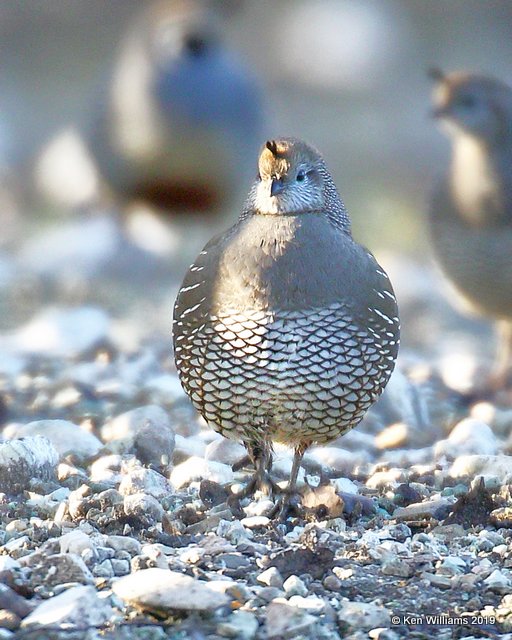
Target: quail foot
x,y
285,328
471,210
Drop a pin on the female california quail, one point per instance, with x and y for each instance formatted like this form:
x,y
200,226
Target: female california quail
x,y
285,328
471,210
181,115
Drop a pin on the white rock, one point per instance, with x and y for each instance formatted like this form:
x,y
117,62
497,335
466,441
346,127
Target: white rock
x,y
499,582
75,542
262,507
225,451
60,332
344,485
270,578
311,604
363,615
142,480
389,478
240,624
255,522
76,607
469,436
498,466
187,447
7,563
65,436
196,468
22,460
107,469
339,460
294,586
285,621
161,590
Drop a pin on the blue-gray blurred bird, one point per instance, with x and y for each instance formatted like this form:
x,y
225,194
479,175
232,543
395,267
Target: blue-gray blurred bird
x,y
471,210
182,118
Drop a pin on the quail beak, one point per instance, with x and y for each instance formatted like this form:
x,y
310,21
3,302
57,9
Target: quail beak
x,y
276,186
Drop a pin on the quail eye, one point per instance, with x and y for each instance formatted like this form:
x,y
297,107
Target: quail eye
x,y
301,176
195,45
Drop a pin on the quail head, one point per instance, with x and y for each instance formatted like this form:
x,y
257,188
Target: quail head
x,y
285,328
471,209
180,120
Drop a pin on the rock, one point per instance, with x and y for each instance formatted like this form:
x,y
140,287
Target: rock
x,y
502,517
480,465
340,461
75,542
294,586
437,580
186,447
8,620
196,468
255,522
389,478
160,590
362,615
436,508
395,567
60,568
226,451
11,601
65,436
106,470
61,332
344,485
240,624
271,578
123,543
23,460
145,431
392,437
285,621
469,436
77,607
144,507
140,480
499,582
311,604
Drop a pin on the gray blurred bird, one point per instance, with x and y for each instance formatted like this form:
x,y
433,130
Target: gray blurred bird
x,y
182,116
471,210
285,329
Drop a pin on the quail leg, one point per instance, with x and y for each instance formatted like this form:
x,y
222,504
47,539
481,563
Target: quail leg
x,y
261,456
291,490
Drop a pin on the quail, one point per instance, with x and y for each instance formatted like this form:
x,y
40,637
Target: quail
x,y
180,117
285,328
471,210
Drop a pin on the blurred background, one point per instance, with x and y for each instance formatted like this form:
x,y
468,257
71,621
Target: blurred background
x,y
348,76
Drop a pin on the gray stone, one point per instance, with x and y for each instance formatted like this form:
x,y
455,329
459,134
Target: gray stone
x,y
123,543
143,506
479,465
285,621
60,568
271,578
23,460
225,451
240,624
362,615
145,431
65,436
77,607
136,479
196,468
294,586
161,590
469,436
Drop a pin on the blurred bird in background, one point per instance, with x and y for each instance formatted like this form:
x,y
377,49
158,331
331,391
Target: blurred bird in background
x,y
471,209
181,119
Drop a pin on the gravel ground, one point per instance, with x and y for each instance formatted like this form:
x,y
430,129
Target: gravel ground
x,y
118,508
